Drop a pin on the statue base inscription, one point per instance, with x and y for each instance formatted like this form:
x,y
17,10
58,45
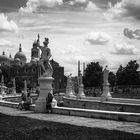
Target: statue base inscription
x,y
45,88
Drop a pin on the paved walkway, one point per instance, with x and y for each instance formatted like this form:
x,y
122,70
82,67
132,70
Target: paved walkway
x,y
74,120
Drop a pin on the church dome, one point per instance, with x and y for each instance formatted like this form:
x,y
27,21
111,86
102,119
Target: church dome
x,y
4,57
20,55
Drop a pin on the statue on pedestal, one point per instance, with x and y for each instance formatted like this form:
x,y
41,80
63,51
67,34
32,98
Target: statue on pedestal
x,y
106,92
45,81
81,86
45,59
69,88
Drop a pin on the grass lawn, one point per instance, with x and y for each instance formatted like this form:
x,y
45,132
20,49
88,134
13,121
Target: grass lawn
x,y
23,128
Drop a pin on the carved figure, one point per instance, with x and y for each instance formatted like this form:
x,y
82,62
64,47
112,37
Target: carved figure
x,y
105,75
69,81
45,59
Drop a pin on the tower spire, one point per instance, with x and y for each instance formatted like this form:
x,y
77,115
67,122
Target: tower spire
x,y
3,53
83,68
78,68
20,49
10,56
38,38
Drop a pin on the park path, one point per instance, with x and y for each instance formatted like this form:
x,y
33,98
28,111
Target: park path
x,y
74,120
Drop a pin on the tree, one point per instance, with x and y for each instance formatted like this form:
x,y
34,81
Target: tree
x,y
128,75
93,75
112,79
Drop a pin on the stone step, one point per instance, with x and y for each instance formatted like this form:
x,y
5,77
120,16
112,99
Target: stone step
x,y
112,115
101,114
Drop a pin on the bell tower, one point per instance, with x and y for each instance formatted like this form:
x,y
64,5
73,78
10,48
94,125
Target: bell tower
x,y
35,52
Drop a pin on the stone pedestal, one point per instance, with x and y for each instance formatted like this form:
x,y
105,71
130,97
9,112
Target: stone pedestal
x,y
14,92
106,93
81,91
45,88
69,91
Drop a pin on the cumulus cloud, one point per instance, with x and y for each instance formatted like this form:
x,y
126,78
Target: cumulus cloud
x,y
132,34
91,7
7,25
125,8
4,42
124,49
43,5
81,1
98,38
35,5
101,58
6,45
76,2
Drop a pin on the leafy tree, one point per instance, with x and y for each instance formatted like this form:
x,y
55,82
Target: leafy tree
x,y
93,75
128,75
112,79
6,73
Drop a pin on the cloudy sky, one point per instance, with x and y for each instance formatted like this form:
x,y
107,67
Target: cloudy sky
x,y
107,31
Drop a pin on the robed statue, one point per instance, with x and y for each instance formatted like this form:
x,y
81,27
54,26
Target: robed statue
x,y
69,81
45,59
105,75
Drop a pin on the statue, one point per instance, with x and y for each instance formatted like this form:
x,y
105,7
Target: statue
x,y
45,59
106,92
69,81
105,75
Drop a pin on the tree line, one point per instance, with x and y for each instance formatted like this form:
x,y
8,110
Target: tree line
x,y
125,75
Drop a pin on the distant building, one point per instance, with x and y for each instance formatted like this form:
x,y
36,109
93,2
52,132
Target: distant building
x,y
21,70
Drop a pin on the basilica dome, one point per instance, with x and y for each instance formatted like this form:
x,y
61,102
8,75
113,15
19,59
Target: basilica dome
x,y
4,57
20,55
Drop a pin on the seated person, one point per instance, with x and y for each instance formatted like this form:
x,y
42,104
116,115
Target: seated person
x,y
27,103
48,102
23,99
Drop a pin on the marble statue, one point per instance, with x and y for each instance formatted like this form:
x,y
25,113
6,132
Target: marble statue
x,y
105,75
69,81
45,59
106,92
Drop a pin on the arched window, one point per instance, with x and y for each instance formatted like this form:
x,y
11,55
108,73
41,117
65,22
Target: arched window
x,y
33,70
18,71
26,70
